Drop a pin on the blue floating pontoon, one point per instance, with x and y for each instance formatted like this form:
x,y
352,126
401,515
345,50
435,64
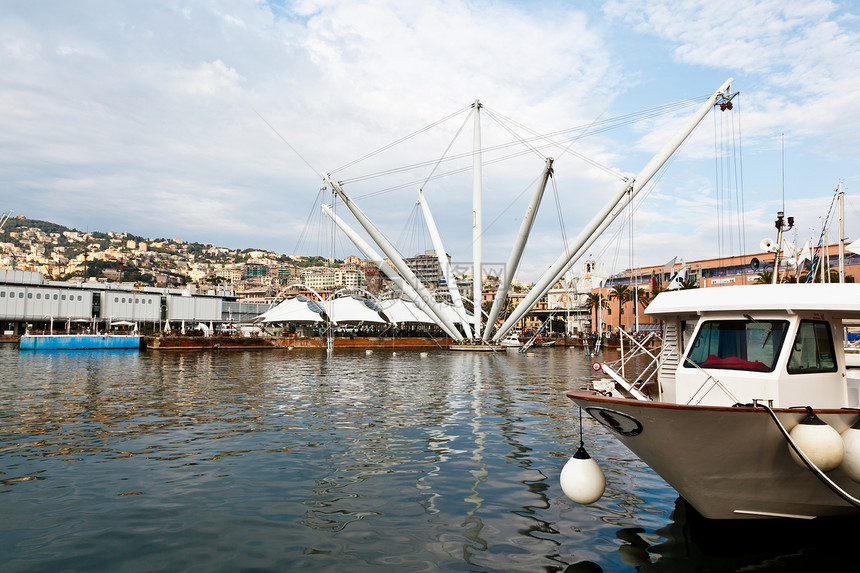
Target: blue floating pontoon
x,y
79,342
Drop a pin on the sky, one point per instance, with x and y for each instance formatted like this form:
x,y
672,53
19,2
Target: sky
x,y
214,122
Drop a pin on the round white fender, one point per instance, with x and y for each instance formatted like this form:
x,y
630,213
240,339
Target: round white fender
x,y
851,461
819,442
581,479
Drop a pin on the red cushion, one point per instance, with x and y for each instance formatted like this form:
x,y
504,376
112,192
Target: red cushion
x,y
733,362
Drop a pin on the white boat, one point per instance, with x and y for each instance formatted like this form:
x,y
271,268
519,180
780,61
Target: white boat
x,y
512,340
739,371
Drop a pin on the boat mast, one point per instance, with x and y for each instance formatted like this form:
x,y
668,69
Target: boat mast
x,y
515,257
841,196
394,257
477,225
377,260
442,257
609,212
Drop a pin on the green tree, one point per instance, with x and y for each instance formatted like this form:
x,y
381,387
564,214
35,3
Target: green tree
x,y
622,294
594,301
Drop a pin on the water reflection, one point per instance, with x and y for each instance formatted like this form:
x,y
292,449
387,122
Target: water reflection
x,y
691,543
296,459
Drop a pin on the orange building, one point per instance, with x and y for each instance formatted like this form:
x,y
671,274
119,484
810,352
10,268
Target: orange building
x,y
618,290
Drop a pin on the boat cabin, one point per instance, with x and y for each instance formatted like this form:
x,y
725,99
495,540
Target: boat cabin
x,y
780,343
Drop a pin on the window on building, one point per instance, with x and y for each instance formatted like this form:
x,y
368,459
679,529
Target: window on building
x,y
738,345
55,297
79,297
812,350
116,299
29,295
3,294
38,296
63,297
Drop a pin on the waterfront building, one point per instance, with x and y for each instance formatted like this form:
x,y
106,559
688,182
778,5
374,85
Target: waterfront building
x,y
642,283
426,267
30,302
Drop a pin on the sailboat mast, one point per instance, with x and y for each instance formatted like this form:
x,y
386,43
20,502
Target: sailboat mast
x,y
477,224
841,196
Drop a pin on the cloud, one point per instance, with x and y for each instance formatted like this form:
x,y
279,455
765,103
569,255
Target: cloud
x,y
171,119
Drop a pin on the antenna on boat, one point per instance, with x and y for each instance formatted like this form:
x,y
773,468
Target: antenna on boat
x,y
780,228
783,172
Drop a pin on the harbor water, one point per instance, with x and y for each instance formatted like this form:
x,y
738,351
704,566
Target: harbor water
x,y
302,460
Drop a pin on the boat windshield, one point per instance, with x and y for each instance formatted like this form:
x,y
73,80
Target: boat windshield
x,y
738,345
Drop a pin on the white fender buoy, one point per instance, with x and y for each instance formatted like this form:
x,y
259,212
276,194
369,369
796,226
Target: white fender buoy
x,y
289,347
819,442
368,351
581,478
394,354
423,355
851,461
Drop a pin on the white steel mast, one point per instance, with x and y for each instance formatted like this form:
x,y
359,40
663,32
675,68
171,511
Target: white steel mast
x,y
377,260
395,259
608,214
442,257
477,225
515,257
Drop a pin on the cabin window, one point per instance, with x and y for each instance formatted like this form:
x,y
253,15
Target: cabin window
x,y
813,349
738,345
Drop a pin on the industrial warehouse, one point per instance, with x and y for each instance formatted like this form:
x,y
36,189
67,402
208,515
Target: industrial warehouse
x,y
29,302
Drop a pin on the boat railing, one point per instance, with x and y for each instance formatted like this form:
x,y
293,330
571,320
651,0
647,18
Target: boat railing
x,y
625,384
618,370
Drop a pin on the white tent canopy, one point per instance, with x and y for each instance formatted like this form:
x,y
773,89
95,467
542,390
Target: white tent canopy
x,y
353,310
453,315
401,311
297,309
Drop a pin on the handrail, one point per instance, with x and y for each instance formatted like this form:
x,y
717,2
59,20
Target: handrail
x,y
716,383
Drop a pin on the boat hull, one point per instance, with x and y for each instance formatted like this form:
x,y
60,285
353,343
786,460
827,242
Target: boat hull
x,y
728,463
